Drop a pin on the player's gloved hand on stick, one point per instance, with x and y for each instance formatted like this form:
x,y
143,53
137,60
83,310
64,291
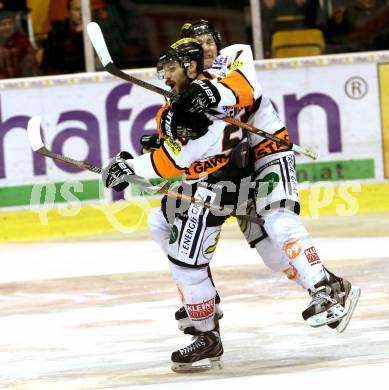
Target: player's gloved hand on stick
x,y
186,125
200,96
114,173
150,142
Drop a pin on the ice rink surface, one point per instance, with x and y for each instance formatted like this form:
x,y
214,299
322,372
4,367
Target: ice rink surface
x,y
99,314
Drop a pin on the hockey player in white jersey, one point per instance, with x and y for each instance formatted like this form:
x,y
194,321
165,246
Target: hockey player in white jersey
x,y
190,237
283,242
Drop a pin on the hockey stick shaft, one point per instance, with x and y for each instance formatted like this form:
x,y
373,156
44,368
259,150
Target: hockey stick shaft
x,y
38,146
98,42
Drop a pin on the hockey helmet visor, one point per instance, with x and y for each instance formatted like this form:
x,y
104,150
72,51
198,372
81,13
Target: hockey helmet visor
x,y
181,52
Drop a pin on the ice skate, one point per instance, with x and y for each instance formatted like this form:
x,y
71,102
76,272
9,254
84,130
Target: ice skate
x,y
202,355
185,324
325,307
348,296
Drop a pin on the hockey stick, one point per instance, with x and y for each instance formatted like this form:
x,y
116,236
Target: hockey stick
x,y
33,132
98,42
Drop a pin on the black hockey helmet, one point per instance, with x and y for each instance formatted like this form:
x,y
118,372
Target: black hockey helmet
x,y
182,51
200,27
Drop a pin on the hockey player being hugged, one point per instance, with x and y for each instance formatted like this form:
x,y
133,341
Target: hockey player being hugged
x,y
283,242
209,154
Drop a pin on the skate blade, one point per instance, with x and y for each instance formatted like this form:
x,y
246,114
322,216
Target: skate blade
x,y
353,298
333,314
199,366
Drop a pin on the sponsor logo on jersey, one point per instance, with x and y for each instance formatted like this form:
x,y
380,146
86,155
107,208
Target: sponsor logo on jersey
x,y
236,65
173,235
191,226
292,174
292,249
290,272
211,165
202,310
173,146
219,61
210,244
268,146
266,185
188,234
311,255
243,223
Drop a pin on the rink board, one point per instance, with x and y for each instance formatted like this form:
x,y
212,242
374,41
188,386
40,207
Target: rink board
x,y
334,105
130,219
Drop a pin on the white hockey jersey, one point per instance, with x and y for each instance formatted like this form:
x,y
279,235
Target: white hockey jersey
x,y
226,68
194,158
239,91
235,71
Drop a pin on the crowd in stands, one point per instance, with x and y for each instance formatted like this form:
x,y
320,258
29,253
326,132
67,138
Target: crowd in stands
x,y
61,50
346,25
17,54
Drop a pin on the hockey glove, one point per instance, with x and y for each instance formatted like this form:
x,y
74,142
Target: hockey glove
x,y
114,174
150,142
200,96
184,125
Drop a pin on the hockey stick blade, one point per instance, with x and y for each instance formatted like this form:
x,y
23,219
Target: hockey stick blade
x,y
37,145
34,133
98,42
100,46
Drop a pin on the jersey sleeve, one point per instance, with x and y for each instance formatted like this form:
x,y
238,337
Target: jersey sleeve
x,y
158,119
172,158
160,163
239,88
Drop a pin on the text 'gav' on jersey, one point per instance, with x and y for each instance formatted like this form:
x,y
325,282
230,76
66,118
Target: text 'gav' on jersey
x,y
195,158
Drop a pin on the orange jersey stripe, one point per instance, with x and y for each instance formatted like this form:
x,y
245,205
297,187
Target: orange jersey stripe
x,y
267,146
158,119
164,165
241,88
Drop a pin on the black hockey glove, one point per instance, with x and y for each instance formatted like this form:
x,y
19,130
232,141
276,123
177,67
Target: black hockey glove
x,y
186,125
200,96
150,142
114,173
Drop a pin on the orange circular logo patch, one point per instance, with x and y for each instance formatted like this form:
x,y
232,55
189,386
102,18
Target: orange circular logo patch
x,y
292,248
290,272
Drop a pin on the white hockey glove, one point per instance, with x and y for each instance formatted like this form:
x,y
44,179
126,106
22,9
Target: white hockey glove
x,y
114,174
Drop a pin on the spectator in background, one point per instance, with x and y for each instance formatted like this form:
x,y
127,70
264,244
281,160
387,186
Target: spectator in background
x,y
125,31
64,47
17,56
269,12
361,26
110,17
